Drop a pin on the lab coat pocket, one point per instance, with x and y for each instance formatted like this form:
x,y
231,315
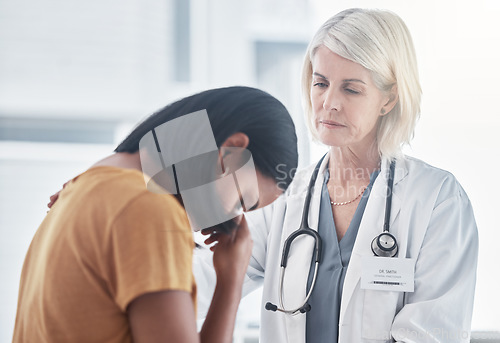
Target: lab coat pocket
x,y
379,310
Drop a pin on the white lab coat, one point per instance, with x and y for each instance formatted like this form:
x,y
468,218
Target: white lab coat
x,y
433,221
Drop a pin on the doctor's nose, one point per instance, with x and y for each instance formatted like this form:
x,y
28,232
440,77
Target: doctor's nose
x,y
331,101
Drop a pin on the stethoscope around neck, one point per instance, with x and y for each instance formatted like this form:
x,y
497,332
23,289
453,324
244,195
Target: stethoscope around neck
x,y
383,245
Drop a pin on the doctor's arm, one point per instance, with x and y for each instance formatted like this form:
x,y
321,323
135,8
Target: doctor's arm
x,y
440,308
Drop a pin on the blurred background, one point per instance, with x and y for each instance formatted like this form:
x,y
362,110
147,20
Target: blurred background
x,y
76,76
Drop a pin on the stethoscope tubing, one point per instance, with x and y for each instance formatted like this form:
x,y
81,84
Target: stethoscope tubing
x,y
388,199
295,234
304,229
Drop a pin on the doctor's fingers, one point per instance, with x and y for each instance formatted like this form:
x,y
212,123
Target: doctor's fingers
x,y
53,198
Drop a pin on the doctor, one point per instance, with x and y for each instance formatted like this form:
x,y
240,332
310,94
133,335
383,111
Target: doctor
x,y
362,99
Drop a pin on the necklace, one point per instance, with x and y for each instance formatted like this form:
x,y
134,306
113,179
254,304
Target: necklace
x,y
348,202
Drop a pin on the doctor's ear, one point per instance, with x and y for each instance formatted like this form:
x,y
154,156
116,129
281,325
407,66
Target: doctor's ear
x,y
392,100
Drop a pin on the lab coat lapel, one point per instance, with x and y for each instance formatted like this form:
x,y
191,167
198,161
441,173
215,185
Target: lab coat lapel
x,y
301,252
371,225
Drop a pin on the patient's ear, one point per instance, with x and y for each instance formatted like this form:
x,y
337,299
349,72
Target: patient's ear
x,y
238,140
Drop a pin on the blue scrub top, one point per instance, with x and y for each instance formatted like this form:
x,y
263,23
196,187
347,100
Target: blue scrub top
x,y
323,318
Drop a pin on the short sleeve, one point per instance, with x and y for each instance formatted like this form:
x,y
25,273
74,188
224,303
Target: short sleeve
x,y
150,249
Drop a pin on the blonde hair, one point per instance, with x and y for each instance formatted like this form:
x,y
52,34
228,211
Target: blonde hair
x,y
379,41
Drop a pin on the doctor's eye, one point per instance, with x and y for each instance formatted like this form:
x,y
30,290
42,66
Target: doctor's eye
x,y
320,84
351,91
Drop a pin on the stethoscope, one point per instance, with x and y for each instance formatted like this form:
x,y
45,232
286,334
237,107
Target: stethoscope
x,y
383,245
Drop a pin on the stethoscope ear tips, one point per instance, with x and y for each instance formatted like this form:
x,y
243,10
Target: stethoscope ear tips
x,y
305,308
385,245
271,307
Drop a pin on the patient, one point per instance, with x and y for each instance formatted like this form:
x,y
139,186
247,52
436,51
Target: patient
x,y
111,262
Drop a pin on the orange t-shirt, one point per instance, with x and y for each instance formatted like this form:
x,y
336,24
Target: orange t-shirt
x,y
106,241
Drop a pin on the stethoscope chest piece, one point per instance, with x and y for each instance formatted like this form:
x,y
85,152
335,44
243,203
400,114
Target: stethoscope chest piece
x,y
385,245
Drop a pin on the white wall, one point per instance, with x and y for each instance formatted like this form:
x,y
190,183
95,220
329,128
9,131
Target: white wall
x,y
89,58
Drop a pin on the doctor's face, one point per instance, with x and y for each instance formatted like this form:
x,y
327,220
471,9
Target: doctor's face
x,y
346,103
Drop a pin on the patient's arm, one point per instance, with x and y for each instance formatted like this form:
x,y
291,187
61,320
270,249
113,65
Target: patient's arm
x,y
168,316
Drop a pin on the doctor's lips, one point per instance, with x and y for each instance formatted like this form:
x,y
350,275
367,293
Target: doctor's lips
x,y
331,124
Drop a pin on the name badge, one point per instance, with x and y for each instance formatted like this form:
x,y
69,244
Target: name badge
x,y
388,274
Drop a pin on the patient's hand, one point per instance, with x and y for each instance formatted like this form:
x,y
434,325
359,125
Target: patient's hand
x,y
232,251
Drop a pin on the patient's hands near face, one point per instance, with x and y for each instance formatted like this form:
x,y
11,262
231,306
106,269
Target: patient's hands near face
x,y
232,250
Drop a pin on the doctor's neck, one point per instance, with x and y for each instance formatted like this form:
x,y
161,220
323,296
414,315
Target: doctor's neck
x,y
347,163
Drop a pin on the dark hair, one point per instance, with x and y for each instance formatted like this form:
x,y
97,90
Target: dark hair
x,y
263,118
